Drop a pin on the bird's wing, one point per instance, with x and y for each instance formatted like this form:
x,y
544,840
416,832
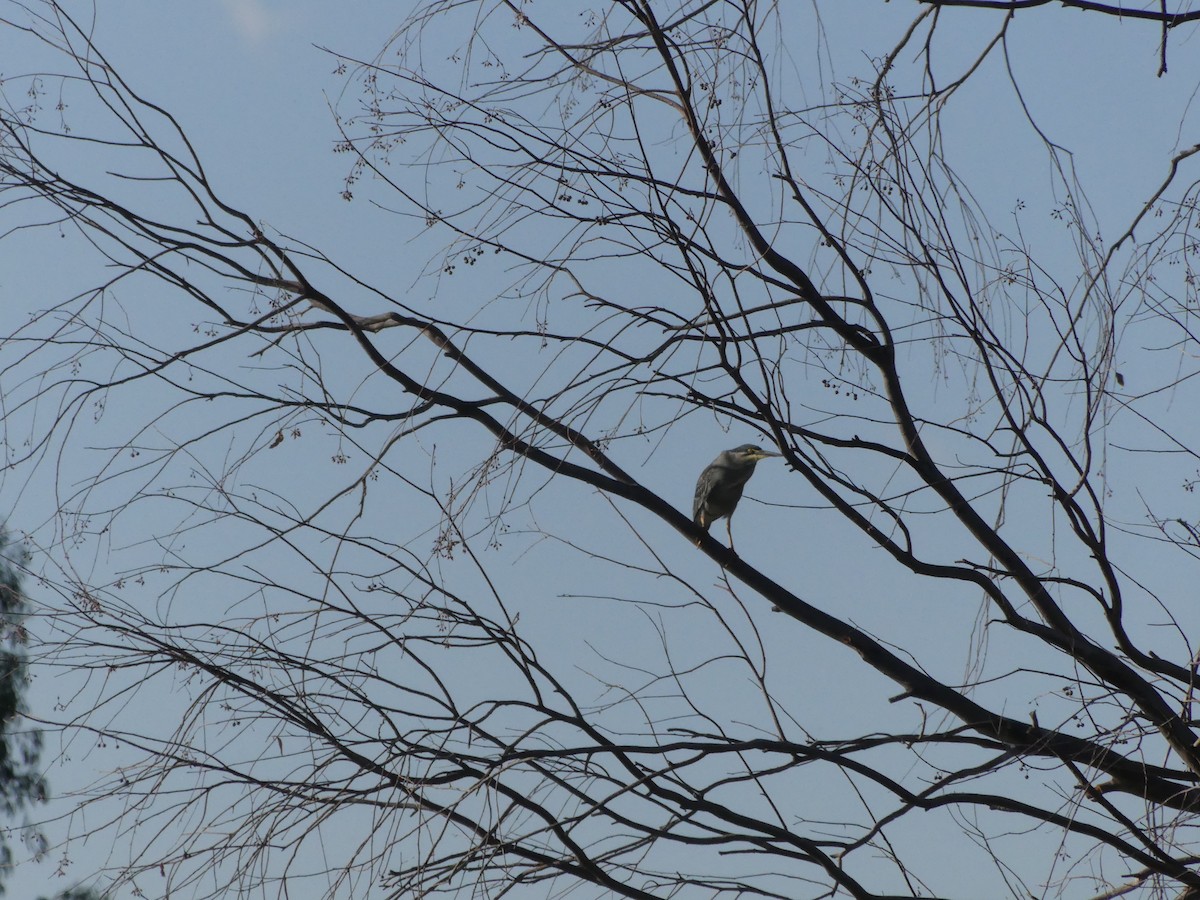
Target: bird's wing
x,y
703,486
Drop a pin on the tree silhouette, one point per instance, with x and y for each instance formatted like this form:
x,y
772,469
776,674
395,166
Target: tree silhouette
x,y
401,548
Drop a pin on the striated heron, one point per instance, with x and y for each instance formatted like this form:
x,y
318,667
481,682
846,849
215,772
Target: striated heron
x,y
721,484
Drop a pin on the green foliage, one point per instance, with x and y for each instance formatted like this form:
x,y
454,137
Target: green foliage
x,y
21,784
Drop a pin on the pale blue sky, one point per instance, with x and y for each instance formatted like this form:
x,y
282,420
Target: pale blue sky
x,y
246,80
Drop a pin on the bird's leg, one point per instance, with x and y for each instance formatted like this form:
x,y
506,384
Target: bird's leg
x,y
729,530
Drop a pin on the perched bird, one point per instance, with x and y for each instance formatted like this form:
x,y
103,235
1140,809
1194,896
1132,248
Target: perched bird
x,y
721,484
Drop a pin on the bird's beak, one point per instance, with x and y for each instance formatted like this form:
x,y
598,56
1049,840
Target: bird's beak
x,y
763,454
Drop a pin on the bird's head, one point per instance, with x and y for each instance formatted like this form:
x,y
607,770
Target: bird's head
x,y
749,454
